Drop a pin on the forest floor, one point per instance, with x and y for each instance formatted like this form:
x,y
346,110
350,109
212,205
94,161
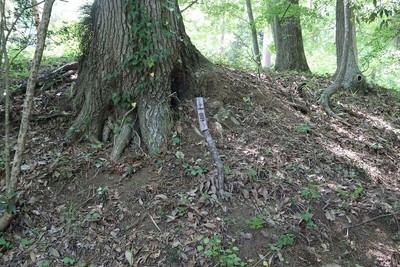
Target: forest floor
x,y
303,189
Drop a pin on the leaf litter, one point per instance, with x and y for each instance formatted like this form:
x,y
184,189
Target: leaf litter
x,y
304,189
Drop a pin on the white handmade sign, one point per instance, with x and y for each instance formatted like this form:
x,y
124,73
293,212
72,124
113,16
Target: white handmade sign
x,y
201,114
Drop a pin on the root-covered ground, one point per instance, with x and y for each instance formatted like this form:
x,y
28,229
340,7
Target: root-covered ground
x,y
304,189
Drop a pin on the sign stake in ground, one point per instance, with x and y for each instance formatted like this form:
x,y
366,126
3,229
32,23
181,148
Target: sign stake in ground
x,y
211,144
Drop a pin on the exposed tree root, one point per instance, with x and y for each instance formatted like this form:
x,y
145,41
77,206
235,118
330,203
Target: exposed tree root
x,y
328,92
121,141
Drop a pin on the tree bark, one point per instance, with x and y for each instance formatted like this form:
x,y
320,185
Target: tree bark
x,y
138,53
256,48
288,39
353,78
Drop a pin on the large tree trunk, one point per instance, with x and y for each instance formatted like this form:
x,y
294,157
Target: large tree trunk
x,y
353,78
138,53
288,39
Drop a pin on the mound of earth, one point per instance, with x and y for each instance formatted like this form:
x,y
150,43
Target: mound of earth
x,y
303,189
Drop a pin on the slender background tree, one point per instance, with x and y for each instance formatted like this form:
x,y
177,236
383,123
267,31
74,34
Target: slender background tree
x,y
256,49
341,75
353,78
12,180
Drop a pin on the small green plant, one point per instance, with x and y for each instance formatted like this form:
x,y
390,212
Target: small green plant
x,y
103,190
266,152
129,170
213,248
7,203
25,242
69,261
198,170
310,192
195,170
376,146
308,218
84,264
180,156
356,192
251,172
69,215
159,164
342,193
289,181
176,140
96,146
5,244
93,216
257,222
284,241
123,100
248,104
44,263
227,170
184,199
345,207
186,167
101,163
304,127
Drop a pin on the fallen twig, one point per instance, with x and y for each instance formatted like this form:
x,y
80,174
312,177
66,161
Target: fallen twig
x,y
155,224
372,219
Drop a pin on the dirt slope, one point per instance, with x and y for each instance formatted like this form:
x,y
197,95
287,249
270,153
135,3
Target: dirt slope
x,y
304,189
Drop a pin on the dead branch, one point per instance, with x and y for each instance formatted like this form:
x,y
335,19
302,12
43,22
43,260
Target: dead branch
x,y
53,77
211,144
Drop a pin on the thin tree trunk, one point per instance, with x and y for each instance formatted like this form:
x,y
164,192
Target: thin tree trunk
x,y
27,106
266,54
2,28
353,78
222,38
7,93
36,13
339,80
256,49
397,36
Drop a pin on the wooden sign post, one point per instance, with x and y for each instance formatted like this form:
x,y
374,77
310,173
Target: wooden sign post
x,y
211,144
